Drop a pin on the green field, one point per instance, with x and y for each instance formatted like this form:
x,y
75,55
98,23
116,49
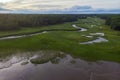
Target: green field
x,y
66,41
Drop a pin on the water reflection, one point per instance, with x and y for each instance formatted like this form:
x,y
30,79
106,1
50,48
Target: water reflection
x,y
20,36
77,27
56,67
98,40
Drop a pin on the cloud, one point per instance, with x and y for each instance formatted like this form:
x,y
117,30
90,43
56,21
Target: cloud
x,y
34,4
3,9
62,6
84,10
81,7
72,10
59,4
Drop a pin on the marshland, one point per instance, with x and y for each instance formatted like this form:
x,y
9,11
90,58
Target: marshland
x,y
59,47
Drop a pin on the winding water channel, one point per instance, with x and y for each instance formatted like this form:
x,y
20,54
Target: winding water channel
x,y
35,33
98,40
42,32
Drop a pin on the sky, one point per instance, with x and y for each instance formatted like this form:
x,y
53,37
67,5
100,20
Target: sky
x,y
60,6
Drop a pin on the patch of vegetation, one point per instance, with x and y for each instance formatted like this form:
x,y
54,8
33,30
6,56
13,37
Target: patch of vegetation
x,y
46,57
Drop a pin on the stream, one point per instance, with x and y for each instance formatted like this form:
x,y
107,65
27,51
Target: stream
x,y
41,32
77,27
99,39
35,33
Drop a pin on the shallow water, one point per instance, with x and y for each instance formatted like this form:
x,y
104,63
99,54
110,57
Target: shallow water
x,y
14,37
97,34
19,67
77,27
98,40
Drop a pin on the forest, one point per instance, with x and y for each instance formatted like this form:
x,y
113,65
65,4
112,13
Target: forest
x,y
112,20
16,21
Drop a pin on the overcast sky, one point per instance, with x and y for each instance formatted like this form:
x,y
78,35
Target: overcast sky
x,y
38,5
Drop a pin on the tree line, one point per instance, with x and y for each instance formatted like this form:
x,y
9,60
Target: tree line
x,y
17,21
112,20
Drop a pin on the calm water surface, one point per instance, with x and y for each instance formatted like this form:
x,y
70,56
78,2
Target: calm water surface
x,y
20,67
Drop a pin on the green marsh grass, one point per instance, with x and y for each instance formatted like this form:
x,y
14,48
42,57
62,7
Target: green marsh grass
x,y
68,41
